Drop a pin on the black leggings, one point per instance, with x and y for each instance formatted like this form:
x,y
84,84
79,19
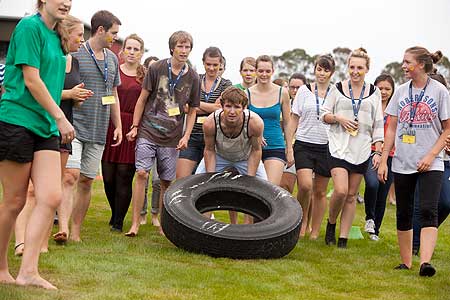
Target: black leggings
x,y
429,187
118,180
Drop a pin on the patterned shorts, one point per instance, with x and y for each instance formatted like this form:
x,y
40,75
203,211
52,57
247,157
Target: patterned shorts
x,y
166,158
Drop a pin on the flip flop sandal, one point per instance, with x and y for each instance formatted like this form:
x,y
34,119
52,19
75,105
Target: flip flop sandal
x,y
18,252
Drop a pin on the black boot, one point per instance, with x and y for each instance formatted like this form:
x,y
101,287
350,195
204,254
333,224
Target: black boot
x,y
342,243
330,235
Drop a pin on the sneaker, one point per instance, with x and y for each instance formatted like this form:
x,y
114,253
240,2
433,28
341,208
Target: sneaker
x,y
401,267
342,243
374,237
330,234
426,269
360,199
370,226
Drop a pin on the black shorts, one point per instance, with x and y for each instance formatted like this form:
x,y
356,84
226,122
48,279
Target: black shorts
x,y
312,156
195,148
19,144
351,168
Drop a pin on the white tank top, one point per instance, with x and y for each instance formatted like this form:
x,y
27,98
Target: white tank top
x,y
233,149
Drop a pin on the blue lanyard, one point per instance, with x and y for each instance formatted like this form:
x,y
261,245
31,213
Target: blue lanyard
x,y
413,110
105,73
208,95
356,107
173,84
316,92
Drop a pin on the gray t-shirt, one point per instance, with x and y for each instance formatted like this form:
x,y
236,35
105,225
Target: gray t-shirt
x,y
91,119
162,121
432,109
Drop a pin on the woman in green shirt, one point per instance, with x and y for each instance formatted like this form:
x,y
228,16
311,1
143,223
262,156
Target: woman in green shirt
x,y
30,118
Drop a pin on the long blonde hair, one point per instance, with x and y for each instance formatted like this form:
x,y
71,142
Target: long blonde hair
x,y
64,28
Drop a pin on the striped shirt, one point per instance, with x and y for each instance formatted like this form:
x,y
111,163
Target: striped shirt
x,y
310,129
354,149
221,86
2,73
91,119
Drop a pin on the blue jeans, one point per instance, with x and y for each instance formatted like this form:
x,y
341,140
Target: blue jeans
x,y
375,194
443,206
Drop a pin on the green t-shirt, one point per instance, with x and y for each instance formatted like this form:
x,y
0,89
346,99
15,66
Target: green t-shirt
x,y
32,44
239,86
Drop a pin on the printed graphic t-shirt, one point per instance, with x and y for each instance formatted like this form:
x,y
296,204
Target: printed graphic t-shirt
x,y
158,125
431,110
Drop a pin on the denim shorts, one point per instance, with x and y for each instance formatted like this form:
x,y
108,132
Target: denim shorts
x,y
195,148
277,154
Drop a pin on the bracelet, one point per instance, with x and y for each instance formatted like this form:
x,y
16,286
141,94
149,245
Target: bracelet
x,y
377,152
134,126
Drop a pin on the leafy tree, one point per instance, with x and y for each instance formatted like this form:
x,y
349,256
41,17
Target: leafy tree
x,y
340,56
395,70
296,60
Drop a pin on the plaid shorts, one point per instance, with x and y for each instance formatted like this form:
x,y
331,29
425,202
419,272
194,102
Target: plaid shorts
x,y
166,158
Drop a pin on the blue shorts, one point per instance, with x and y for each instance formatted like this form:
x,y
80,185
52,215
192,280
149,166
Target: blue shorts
x,y
277,154
195,148
241,167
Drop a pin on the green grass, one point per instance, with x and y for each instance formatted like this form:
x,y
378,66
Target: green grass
x,y
111,266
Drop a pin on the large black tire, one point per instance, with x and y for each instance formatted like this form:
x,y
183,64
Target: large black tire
x,y
274,234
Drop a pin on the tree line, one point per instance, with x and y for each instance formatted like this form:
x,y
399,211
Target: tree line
x,y
298,60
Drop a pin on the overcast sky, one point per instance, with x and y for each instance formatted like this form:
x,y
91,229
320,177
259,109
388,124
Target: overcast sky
x,y
254,27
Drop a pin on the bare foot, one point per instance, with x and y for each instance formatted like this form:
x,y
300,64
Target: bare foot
x,y
161,232
6,278
75,239
155,221
34,280
44,250
143,219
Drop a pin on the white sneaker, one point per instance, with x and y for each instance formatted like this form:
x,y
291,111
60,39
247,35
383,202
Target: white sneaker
x,y
370,226
359,199
374,237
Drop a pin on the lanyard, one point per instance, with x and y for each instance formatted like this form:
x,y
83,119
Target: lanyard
x,y
413,110
356,107
105,73
316,92
208,95
173,84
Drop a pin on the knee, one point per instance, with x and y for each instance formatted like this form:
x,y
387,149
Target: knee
x,y
141,175
85,183
70,178
16,205
404,220
305,187
320,195
340,194
429,217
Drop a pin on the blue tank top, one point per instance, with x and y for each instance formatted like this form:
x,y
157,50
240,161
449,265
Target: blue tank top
x,y
271,117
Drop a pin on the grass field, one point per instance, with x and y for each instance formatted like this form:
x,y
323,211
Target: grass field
x,y
111,266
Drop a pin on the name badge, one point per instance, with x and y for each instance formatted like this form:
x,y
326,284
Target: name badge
x,y
173,111
107,100
353,132
201,119
409,139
